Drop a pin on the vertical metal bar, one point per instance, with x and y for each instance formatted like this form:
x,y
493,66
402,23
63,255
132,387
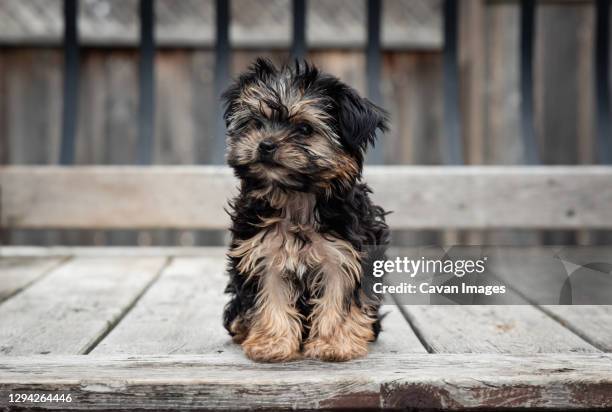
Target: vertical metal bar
x,y
146,119
602,81
71,82
298,45
222,69
528,10
373,65
452,128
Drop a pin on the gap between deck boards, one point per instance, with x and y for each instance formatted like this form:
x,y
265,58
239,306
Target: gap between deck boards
x,y
30,277
113,324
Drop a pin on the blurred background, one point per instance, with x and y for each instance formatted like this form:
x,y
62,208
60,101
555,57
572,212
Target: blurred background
x,y
467,82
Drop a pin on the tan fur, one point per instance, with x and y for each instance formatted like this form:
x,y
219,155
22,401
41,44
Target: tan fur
x,y
276,330
238,330
338,332
276,327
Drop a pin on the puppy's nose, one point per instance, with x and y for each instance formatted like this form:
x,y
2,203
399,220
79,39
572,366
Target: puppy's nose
x,y
267,147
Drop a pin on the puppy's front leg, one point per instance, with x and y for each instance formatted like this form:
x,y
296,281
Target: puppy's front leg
x,y
340,329
276,330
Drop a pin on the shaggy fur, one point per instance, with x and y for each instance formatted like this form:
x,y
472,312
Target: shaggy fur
x,y
304,230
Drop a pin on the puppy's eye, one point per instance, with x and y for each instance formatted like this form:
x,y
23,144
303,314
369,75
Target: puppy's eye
x,y
304,129
257,124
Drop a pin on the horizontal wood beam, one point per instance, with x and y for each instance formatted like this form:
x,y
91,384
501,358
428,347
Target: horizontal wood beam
x,y
390,45
479,197
544,2
16,252
230,382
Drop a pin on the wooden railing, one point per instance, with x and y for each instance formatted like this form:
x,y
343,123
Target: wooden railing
x,y
195,197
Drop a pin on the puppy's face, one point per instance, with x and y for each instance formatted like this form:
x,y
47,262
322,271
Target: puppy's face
x,y
297,129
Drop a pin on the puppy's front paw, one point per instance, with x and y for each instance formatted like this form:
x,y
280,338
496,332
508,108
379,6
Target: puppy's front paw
x,y
271,349
335,350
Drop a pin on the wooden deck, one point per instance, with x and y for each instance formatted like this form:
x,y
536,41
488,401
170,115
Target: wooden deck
x,y
134,328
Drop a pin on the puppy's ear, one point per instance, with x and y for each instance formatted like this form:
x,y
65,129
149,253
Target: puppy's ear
x,y
359,119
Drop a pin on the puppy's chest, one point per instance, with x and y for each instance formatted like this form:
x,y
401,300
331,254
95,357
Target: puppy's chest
x,y
291,242
294,236
294,249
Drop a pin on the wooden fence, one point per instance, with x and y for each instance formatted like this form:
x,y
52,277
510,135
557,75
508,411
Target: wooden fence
x,y
466,82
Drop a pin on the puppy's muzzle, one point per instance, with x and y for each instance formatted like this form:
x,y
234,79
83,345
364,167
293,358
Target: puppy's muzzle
x,y
266,150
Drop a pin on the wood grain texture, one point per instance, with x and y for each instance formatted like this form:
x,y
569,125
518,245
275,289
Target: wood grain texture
x,y
17,274
409,24
69,310
420,197
4,144
472,72
397,336
557,108
169,351
593,323
492,329
411,88
33,86
180,314
561,133
32,119
503,145
106,251
118,197
543,280
493,197
555,275
453,382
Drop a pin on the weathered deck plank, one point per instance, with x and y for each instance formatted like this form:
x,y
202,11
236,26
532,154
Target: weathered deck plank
x,y
593,323
492,329
544,271
456,382
169,350
542,277
397,336
18,273
181,314
69,310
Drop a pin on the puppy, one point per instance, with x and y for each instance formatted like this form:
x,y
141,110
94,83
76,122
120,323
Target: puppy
x,y
304,230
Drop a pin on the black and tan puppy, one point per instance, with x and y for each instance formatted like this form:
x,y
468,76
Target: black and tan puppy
x,y
304,229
